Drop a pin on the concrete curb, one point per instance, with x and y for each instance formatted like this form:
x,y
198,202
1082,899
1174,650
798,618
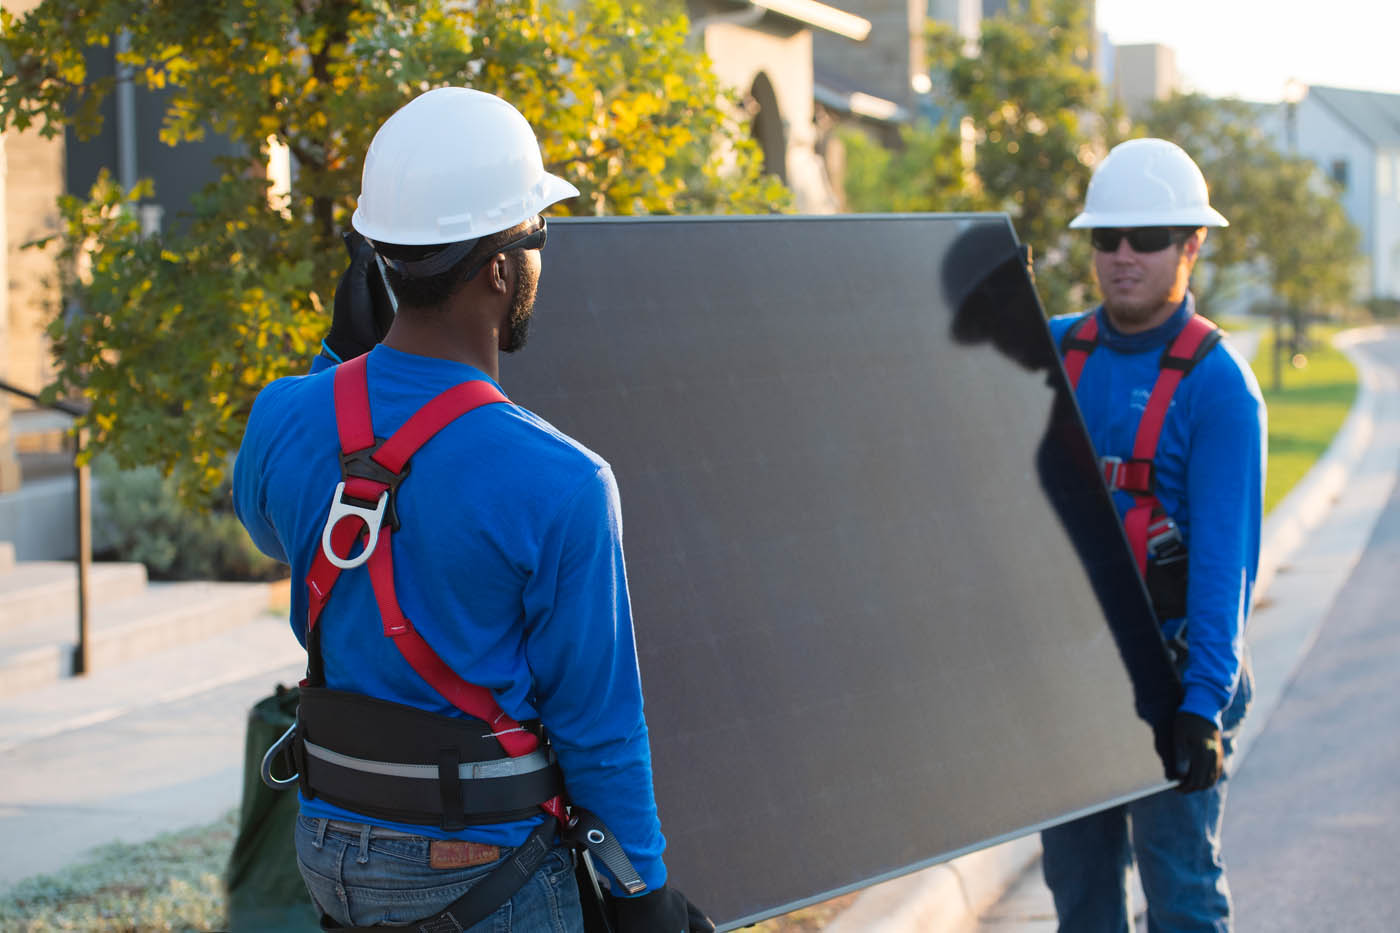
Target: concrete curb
x,y
953,895
950,896
1344,489
1309,502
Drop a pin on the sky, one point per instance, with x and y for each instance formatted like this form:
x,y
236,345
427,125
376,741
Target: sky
x,y
1251,48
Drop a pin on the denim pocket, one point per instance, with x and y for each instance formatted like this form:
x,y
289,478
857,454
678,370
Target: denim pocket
x,y
396,884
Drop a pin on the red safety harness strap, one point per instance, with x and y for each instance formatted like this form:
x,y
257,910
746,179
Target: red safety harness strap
x,y
1189,347
356,431
1076,345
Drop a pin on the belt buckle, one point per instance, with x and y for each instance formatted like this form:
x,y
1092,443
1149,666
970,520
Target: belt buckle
x,y
1111,478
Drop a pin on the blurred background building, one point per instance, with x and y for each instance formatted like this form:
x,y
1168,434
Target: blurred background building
x,y
1354,138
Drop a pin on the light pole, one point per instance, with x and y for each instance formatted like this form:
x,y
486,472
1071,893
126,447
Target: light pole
x,y
1293,92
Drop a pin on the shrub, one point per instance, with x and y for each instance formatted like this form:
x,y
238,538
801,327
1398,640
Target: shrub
x,y
139,517
1384,309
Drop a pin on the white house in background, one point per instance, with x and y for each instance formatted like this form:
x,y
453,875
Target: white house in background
x,y
1354,137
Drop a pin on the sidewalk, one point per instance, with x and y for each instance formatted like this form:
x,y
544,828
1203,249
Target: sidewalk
x,y
1311,542
102,759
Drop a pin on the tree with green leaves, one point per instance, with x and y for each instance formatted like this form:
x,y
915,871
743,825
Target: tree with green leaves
x,y
1287,224
1030,94
923,173
170,336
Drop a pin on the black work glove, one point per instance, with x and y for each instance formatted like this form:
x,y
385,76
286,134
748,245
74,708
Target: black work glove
x,y
1199,754
664,910
363,310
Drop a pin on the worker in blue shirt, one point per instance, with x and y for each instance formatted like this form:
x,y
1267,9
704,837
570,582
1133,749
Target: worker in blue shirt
x,y
505,583
1147,210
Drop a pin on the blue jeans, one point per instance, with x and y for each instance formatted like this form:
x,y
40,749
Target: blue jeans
x,y
1175,840
364,876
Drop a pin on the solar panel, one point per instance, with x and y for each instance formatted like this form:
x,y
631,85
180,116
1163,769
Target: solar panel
x,y
884,608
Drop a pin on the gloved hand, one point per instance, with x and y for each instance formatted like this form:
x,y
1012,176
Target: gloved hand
x,y
1199,754
363,310
664,910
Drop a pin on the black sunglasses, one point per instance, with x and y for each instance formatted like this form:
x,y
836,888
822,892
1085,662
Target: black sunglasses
x,y
444,259
535,239
1141,239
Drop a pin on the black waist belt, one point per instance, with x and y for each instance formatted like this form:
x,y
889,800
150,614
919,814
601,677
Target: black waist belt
x,y
394,762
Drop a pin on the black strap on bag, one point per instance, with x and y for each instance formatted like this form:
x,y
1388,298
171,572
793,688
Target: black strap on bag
x,y
488,894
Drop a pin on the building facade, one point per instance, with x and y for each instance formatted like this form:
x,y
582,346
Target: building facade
x,y
1354,138
764,50
1142,74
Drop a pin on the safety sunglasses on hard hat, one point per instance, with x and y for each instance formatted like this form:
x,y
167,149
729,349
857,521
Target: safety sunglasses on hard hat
x,y
1141,239
446,258
535,239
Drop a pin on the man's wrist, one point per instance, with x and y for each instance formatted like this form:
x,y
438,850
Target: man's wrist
x,y
1202,702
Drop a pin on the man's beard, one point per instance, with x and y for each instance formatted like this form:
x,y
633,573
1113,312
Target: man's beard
x,y
1134,315
522,306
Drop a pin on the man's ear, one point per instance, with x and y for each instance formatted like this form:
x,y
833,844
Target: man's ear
x,y
499,270
1194,243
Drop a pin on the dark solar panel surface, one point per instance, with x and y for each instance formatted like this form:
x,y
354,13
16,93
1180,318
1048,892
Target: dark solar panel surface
x,y
872,569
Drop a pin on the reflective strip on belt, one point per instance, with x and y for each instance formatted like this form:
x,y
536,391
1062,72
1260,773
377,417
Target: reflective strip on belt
x,y
537,760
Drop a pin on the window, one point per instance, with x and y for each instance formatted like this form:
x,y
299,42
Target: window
x,y
1339,173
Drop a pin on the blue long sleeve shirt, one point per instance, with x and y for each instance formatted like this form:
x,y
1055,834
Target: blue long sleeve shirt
x,y
508,562
1210,478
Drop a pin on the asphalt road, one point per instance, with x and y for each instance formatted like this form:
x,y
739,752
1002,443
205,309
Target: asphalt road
x,y
1313,824
1312,827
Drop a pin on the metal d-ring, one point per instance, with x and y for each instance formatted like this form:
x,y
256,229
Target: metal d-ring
x,y
340,509
266,769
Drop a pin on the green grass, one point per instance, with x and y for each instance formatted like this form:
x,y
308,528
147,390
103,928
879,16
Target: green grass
x,y
1306,411
172,883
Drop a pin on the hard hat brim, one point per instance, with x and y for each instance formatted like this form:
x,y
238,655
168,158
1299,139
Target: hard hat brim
x,y
550,189
1192,217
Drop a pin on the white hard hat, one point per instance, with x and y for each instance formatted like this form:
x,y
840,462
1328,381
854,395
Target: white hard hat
x,y
1148,183
451,165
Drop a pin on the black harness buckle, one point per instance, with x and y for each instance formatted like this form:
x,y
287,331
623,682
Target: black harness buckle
x,y
361,464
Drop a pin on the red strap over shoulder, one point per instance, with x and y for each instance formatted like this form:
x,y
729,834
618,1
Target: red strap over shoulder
x,y
352,418
1076,345
1196,339
1184,352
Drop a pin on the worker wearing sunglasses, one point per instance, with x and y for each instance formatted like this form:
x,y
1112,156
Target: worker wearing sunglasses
x,y
1184,466
1143,272
1141,239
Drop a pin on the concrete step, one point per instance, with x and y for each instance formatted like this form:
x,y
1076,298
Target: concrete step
x,y
162,616
261,646
40,589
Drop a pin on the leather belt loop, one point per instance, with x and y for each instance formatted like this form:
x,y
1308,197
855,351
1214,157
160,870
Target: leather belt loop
x,y
450,787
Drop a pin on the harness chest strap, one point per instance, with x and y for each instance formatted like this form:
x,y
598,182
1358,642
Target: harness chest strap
x,y
1137,475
